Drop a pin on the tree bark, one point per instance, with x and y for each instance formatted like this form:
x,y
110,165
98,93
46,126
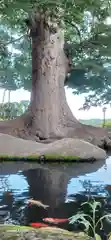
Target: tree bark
x,y
50,115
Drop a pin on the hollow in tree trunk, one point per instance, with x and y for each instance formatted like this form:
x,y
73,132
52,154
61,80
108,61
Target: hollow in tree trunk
x,y
49,116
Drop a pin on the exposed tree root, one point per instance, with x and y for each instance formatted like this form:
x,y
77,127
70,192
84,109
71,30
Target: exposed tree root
x,y
95,135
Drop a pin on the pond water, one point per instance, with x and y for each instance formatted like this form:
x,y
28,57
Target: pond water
x,y
61,186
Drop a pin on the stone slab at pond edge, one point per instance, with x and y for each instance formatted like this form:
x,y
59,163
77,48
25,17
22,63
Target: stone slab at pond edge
x,y
49,233
75,147
66,148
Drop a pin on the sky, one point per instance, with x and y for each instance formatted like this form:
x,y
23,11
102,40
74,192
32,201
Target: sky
x,y
75,102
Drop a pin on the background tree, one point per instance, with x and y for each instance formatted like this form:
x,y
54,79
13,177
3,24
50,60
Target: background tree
x,y
61,37
11,110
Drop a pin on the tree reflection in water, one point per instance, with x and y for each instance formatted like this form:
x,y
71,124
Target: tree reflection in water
x,y
50,187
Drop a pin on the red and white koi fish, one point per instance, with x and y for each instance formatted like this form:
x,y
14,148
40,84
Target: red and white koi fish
x,y
55,220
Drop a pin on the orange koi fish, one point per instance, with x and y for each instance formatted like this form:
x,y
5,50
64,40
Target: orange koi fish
x,y
39,225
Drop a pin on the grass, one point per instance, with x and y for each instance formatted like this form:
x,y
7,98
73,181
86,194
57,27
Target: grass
x,y
44,158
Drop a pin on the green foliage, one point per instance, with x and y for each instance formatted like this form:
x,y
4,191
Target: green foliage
x,y
87,36
12,109
107,124
93,122
96,122
89,221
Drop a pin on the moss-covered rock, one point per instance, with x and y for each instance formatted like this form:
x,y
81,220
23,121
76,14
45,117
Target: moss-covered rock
x,y
75,147
49,233
40,158
69,149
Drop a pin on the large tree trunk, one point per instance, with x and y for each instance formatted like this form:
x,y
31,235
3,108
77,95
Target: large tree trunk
x,y
49,116
49,112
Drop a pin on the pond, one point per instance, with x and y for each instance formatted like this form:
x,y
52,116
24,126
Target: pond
x,y
61,186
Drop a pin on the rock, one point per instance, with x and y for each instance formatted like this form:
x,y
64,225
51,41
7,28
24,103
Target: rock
x,y
13,146
75,147
50,233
